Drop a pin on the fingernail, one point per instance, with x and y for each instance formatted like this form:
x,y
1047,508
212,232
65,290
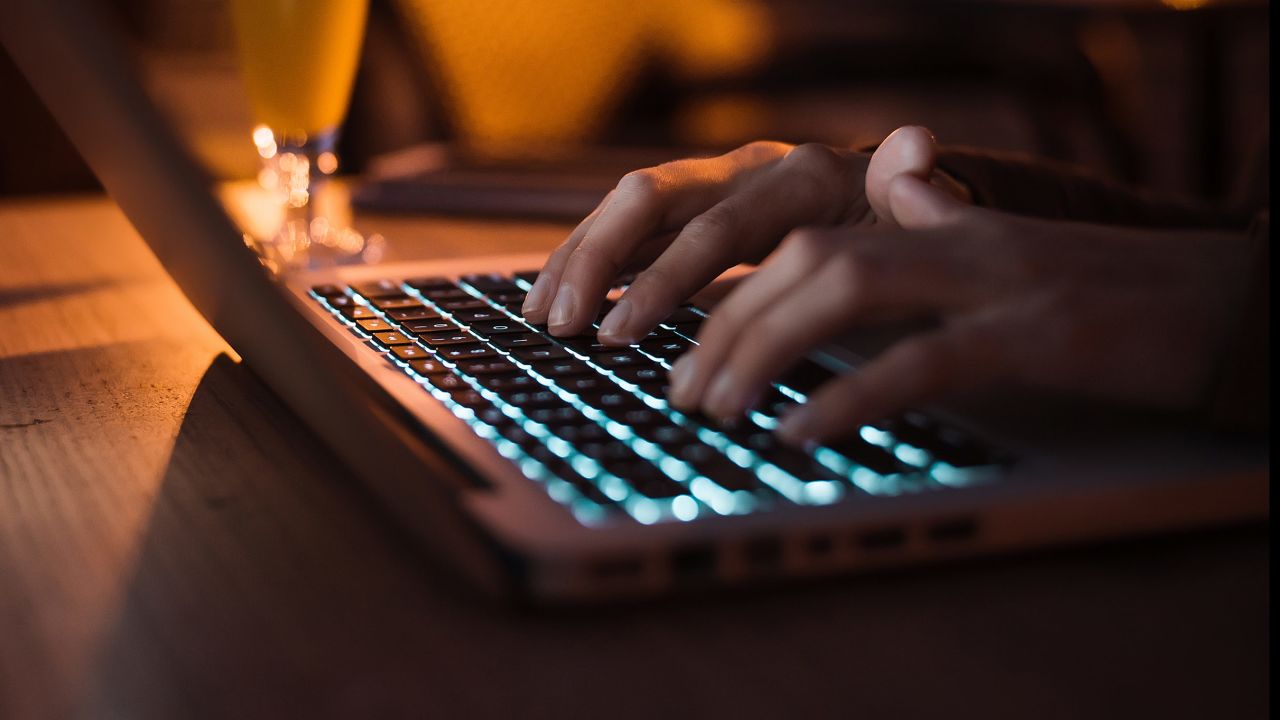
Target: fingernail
x,y
613,322
537,297
562,311
681,379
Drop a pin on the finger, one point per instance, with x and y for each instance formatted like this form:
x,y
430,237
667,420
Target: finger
x,y
909,150
538,302
809,312
801,254
918,204
645,202
810,186
873,271
920,369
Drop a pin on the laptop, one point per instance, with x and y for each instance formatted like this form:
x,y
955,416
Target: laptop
x,y
554,470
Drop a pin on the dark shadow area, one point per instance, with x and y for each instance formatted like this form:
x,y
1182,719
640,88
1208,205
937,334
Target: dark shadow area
x,y
267,585
35,155
35,293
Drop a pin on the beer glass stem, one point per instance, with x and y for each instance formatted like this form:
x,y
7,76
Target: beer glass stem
x,y
305,164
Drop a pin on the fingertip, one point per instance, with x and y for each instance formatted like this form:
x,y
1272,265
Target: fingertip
x,y
910,150
796,428
536,302
917,203
614,329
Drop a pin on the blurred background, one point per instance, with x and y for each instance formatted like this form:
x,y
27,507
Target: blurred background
x,y
1171,94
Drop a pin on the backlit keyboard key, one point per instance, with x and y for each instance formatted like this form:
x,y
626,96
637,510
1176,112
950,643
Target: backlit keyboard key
x,y
572,367
428,367
446,294
328,290
391,338
508,342
538,354
489,283
503,384
375,325
499,327
447,381
488,367
641,375
395,301
482,314
378,288
409,352
444,339
357,312
467,352
619,358
429,283
412,314
454,306
423,327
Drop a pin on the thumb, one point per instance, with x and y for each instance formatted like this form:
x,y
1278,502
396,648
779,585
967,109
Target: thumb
x,y
918,204
909,150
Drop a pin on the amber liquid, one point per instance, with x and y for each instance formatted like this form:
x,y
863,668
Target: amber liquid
x,y
299,58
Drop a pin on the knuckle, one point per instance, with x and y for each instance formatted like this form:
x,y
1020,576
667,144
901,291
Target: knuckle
x,y
718,223
1015,263
927,360
595,258
707,240
718,325
814,156
806,241
721,324
857,265
775,327
642,184
655,284
814,171
762,149
1072,329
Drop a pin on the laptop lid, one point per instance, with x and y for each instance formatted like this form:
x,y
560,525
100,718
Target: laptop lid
x,y
69,52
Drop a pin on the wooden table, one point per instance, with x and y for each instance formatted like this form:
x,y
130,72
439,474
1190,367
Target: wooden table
x,y
175,544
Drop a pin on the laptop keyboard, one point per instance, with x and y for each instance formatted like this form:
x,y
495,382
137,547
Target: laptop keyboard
x,y
591,422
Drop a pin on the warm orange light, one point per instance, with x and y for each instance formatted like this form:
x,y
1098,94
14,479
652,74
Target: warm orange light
x,y
299,60
265,141
327,162
532,76
1185,4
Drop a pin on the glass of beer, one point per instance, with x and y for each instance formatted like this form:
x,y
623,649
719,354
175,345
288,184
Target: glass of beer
x,y
298,59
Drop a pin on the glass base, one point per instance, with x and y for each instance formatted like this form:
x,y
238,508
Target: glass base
x,y
312,227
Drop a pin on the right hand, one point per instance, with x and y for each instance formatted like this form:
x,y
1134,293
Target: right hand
x,y
683,223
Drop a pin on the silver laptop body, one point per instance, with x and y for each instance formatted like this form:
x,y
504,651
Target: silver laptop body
x,y
493,511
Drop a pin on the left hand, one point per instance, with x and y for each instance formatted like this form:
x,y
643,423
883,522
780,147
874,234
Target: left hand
x,y
1123,314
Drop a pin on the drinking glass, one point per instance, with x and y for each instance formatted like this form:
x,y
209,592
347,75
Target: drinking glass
x,y
298,59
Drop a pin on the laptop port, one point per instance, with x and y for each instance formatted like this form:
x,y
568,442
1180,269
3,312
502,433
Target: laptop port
x,y
882,539
615,568
763,553
693,564
953,530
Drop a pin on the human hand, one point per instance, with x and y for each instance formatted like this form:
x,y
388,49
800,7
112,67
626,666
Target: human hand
x,y
1129,315
683,223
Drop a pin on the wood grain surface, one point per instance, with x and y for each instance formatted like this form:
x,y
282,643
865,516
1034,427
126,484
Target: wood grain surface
x,y
174,544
